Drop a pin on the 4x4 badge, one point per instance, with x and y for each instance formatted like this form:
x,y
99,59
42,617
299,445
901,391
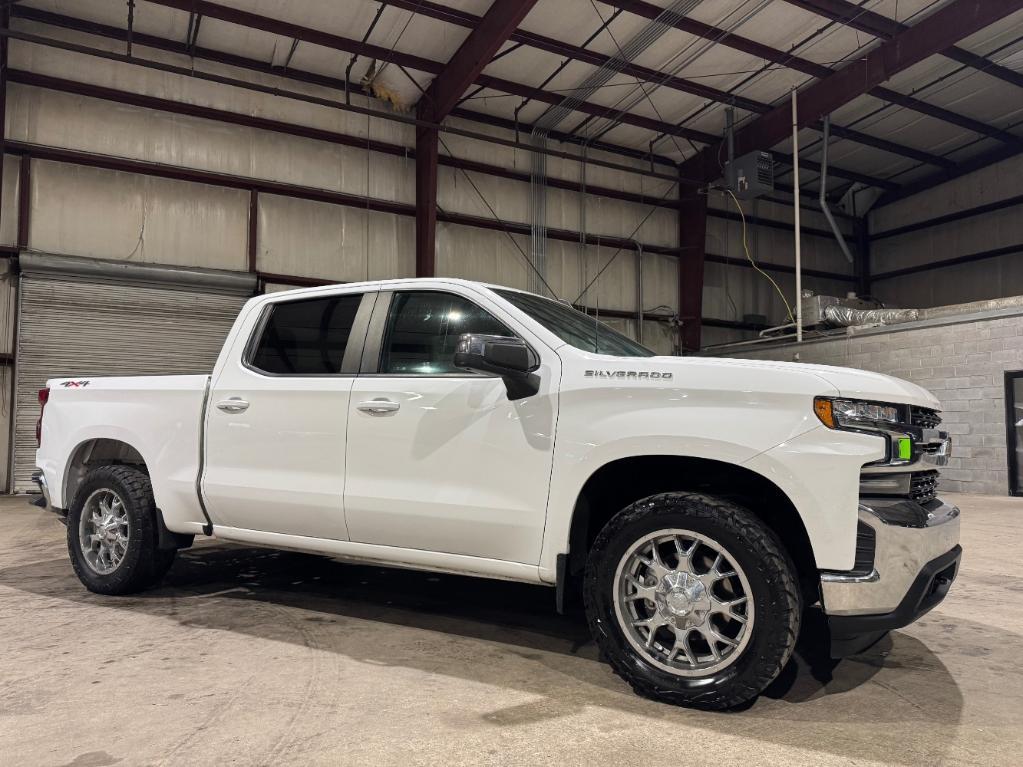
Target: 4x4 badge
x,y
74,384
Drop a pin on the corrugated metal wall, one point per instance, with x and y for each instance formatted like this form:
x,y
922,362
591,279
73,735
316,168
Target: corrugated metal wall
x,y
991,278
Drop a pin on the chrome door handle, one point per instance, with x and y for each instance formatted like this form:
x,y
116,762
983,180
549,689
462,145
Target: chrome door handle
x,y
233,405
378,406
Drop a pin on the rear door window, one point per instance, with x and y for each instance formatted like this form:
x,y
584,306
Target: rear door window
x,y
307,337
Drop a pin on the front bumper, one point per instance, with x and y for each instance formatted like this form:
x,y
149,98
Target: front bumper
x,y
916,558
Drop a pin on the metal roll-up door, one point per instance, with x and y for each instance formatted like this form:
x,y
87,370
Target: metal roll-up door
x,y
79,321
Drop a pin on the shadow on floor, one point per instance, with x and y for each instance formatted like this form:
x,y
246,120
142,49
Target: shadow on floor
x,y
350,605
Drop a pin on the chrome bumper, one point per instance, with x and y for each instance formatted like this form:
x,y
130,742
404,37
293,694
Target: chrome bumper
x,y
909,538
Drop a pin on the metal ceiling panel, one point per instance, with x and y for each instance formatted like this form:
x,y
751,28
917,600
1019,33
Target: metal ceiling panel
x,y
574,21
702,61
151,19
663,104
786,27
902,125
638,138
531,66
773,85
241,41
995,37
476,7
423,36
982,98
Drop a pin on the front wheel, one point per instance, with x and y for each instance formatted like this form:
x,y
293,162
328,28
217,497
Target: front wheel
x,y
112,532
693,600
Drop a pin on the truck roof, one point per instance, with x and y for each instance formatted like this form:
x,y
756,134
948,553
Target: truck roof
x,y
403,281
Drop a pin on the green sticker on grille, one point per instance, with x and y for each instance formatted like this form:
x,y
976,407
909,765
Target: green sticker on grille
x,y
905,448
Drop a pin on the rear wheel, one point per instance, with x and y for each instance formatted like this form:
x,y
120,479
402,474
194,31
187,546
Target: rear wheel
x,y
692,600
112,532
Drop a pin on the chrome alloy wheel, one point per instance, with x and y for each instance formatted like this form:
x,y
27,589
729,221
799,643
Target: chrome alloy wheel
x,y
103,531
683,602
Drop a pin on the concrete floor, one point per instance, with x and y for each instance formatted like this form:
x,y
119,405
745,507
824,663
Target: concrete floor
x,y
247,656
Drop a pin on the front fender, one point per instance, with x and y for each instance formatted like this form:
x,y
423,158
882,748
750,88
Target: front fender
x,y
704,411
819,471
574,466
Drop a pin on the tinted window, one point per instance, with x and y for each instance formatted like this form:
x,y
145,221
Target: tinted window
x,y
307,337
573,327
423,330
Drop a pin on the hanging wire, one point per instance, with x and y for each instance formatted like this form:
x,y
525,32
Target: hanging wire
x,y
630,236
390,53
749,257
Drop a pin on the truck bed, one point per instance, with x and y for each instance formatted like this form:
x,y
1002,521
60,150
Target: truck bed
x,y
160,416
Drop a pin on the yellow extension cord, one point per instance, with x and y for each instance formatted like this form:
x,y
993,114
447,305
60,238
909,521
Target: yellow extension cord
x,y
745,247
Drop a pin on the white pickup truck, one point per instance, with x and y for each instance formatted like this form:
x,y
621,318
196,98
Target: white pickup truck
x,y
696,505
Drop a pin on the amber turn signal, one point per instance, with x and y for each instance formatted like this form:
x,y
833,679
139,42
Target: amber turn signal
x,y
822,407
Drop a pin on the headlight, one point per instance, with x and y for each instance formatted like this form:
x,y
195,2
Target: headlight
x,y
854,414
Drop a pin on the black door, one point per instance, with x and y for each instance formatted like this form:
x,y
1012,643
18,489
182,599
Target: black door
x,y
1014,429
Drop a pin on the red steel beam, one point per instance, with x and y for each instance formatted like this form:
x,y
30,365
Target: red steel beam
x,y
411,61
799,64
213,114
24,201
338,42
299,32
426,202
242,62
540,42
468,62
252,244
560,48
885,28
296,191
198,52
935,33
255,186
436,104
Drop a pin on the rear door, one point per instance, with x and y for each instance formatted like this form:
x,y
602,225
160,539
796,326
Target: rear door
x,y
277,416
439,459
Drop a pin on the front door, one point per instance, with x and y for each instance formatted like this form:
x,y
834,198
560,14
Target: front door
x,y
439,459
277,415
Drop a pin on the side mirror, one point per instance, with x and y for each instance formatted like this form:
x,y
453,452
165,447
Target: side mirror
x,y
505,356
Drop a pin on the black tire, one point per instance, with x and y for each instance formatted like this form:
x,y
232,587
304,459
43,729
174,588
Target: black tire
x,y
143,563
754,547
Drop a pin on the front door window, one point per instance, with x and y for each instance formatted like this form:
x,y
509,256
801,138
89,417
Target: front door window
x,y
423,329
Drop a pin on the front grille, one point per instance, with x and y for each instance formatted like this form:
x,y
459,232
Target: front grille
x,y
924,486
866,542
924,417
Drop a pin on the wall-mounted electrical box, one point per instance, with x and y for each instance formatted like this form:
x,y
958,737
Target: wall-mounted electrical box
x,y
751,175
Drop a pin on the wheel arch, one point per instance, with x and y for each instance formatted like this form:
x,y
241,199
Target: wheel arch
x,y
97,451
622,481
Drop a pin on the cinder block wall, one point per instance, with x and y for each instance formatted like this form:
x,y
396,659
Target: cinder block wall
x,y
961,362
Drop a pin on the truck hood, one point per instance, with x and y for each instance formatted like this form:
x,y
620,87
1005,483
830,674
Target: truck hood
x,y
850,382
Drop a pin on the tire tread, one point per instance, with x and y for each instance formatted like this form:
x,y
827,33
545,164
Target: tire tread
x,y
151,563
773,559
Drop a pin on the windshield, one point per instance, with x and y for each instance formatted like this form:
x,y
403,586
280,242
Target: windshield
x,y
573,327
